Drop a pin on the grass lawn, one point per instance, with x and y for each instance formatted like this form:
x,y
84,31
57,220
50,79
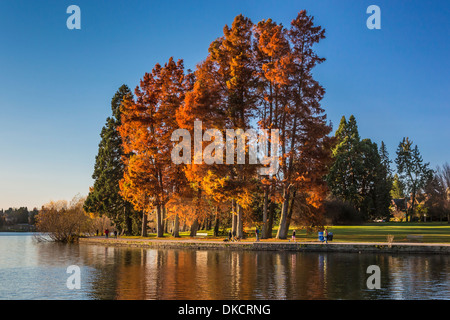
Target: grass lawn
x,y
378,232
433,232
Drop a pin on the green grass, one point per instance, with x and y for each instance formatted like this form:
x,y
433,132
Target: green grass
x,y
378,232
371,232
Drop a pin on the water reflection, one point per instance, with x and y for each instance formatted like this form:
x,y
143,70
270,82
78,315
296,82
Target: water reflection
x,y
30,270
178,274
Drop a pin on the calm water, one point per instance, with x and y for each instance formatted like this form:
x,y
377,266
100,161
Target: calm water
x,y
31,270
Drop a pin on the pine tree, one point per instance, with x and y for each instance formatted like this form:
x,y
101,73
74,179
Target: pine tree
x,y
360,173
345,176
412,171
104,197
383,184
398,188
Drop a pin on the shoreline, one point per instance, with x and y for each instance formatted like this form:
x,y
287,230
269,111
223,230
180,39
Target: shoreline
x,y
193,244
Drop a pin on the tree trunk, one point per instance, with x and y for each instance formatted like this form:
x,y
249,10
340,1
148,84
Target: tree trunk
x,y
291,209
283,228
176,227
144,224
240,222
194,228
265,227
271,217
209,224
159,222
128,222
164,222
216,223
233,218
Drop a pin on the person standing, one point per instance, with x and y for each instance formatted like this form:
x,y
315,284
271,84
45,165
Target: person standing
x,y
293,235
326,235
257,234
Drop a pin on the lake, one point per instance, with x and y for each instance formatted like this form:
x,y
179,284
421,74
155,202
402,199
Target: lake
x,y
38,270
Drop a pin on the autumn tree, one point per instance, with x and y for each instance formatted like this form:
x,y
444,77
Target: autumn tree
x,y
263,74
223,98
148,121
104,197
272,58
302,123
232,55
254,77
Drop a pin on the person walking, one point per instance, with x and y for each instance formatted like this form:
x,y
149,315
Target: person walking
x,y
106,233
257,234
326,235
293,235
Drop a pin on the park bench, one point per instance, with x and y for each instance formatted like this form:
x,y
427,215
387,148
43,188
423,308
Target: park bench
x,y
414,237
201,234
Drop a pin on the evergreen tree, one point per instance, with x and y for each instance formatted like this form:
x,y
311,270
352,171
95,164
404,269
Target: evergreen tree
x,y
345,176
104,197
436,196
360,174
385,161
412,170
398,188
383,185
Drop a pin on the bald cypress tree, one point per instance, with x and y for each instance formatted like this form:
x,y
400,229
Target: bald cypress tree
x,y
104,197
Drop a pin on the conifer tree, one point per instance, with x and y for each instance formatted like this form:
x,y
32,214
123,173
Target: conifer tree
x,y
398,188
104,197
345,176
302,123
151,178
412,171
360,173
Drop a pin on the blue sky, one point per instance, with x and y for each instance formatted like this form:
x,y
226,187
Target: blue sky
x,y
56,84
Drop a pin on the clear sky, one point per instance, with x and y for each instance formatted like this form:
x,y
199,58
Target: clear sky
x,y
56,84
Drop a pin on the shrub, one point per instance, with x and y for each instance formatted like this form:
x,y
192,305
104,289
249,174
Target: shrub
x,y
340,212
63,222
